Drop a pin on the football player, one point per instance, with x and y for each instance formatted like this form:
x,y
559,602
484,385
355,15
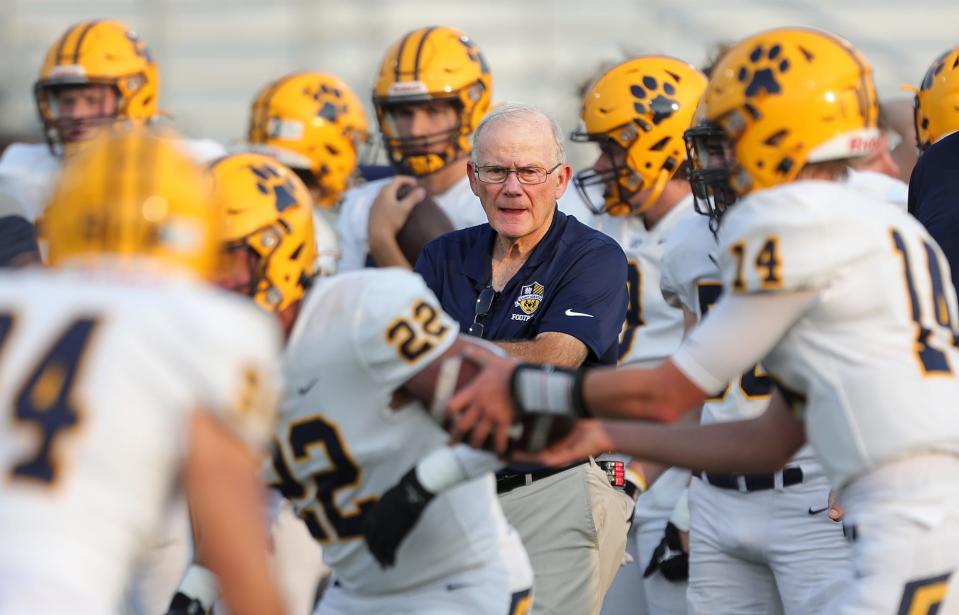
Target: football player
x,y
314,124
637,112
764,545
845,298
433,88
124,382
97,73
361,349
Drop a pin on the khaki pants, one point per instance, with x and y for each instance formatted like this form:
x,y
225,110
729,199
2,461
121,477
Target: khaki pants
x,y
573,525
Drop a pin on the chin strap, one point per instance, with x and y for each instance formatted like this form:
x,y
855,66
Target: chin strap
x,y
656,191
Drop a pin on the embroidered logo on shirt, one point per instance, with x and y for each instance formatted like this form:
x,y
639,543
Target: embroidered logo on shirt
x,y
530,296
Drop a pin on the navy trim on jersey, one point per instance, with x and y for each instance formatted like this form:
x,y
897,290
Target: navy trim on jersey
x,y
573,282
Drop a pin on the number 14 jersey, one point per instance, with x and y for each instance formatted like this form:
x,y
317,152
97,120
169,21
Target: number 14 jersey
x,y
340,445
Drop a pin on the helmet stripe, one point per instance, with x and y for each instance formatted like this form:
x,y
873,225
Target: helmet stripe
x,y
399,55
419,51
83,34
63,43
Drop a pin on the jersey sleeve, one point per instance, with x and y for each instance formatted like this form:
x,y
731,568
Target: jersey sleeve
x,y
591,300
785,241
239,375
400,328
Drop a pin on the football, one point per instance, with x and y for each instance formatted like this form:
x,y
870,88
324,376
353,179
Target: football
x,y
425,223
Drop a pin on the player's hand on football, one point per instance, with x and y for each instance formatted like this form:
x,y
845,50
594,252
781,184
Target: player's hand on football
x,y
390,210
587,438
483,411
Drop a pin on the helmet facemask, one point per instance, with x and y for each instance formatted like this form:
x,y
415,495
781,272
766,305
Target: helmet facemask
x,y
423,154
620,183
712,164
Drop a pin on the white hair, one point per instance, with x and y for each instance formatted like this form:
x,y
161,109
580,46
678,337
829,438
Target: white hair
x,y
518,113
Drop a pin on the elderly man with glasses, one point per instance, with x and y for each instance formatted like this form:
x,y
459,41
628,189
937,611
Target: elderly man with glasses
x,y
545,288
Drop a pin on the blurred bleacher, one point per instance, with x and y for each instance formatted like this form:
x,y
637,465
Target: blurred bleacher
x,y
215,54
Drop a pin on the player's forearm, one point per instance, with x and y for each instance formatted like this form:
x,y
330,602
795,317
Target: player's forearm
x,y
660,394
737,446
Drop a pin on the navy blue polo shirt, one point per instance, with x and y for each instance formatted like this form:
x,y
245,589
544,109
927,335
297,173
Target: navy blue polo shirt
x,y
934,197
573,282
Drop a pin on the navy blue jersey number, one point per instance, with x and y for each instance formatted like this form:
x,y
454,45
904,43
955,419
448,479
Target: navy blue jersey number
x,y
46,401
634,310
303,436
932,361
754,383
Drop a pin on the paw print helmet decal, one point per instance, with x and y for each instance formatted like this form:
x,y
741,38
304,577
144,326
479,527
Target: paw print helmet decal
x,y
778,101
313,123
937,100
639,108
269,212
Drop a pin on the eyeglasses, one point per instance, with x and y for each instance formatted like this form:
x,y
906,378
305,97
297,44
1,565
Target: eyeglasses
x,y
483,304
525,175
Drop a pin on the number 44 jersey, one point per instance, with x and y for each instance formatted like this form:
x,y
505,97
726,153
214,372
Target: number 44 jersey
x,y
98,380
874,353
343,438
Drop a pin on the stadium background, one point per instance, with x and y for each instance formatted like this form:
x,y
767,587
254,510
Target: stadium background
x,y
215,54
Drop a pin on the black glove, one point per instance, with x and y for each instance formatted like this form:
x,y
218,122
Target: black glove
x,y
185,605
669,557
394,516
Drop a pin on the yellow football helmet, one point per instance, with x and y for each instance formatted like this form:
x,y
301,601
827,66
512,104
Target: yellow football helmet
x,y
270,213
434,63
96,52
937,100
643,105
776,102
133,194
313,123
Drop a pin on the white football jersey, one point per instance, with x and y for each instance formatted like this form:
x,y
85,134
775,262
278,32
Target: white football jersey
x,y
459,203
653,329
881,186
691,279
30,170
874,356
359,337
98,379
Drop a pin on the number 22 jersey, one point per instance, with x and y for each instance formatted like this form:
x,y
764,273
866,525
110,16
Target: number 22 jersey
x,y
340,445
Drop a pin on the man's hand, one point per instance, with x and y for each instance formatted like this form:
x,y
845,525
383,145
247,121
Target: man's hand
x,y
394,516
389,212
484,409
588,438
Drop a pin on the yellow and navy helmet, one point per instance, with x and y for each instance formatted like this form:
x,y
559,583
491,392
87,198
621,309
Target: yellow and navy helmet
x,y
97,52
133,194
312,122
937,100
776,102
644,105
434,63
268,211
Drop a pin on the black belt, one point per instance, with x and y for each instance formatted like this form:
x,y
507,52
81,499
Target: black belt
x,y
752,482
506,481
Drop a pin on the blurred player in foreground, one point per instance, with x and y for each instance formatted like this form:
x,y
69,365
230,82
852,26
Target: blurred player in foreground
x,y
847,301
123,382
361,351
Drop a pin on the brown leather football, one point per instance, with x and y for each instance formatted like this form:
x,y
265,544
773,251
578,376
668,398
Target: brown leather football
x,y
425,223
